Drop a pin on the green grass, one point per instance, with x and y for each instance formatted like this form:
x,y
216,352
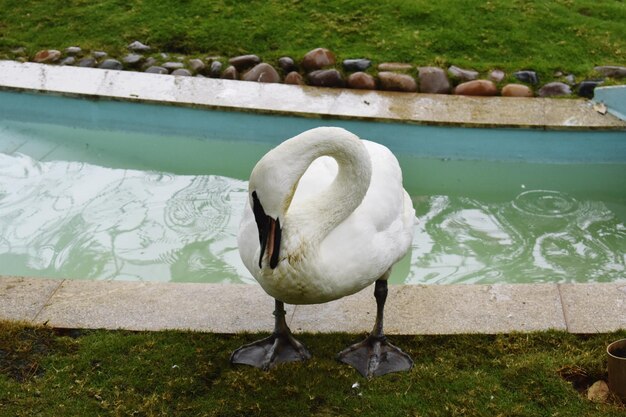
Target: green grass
x,y
51,373
547,36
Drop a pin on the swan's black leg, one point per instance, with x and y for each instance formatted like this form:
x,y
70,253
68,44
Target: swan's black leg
x,y
280,347
375,356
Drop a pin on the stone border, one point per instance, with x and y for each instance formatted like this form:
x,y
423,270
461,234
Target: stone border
x,y
234,308
431,109
319,67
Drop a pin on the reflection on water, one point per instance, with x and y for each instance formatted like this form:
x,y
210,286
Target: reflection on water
x,y
76,220
69,219
540,236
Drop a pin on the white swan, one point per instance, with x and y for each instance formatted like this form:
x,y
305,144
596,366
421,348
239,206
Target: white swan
x,y
328,216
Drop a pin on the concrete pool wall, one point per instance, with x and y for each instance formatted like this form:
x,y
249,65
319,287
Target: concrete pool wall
x,y
413,309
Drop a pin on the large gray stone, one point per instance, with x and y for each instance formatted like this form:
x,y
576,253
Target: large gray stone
x,y
433,80
287,64
215,70
196,65
230,73
529,77
132,60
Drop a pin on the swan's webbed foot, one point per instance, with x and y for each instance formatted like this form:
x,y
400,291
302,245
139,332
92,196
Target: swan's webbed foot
x,y
271,351
280,347
375,356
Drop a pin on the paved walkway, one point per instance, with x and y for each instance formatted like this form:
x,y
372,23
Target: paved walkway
x,y
233,308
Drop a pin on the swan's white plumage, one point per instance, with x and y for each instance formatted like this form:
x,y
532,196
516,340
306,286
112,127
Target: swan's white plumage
x,y
354,253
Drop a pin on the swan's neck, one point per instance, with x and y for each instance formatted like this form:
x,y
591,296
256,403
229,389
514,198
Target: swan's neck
x,y
316,216
322,212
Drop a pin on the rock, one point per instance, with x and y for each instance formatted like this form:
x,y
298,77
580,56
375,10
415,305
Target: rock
x,y
554,89
137,46
111,64
132,60
149,62
598,392
586,88
612,71
294,78
326,78
243,62
70,60
171,66
318,58
196,65
396,82
263,73
433,80
462,74
360,64
87,62
99,54
496,76
394,66
570,79
156,70
47,56
476,88
73,50
287,64
529,77
361,81
215,71
182,72
517,90
230,73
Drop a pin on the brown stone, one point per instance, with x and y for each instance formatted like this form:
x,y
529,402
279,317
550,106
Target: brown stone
x,y
318,58
326,78
361,81
230,73
394,66
433,80
243,62
516,90
294,78
397,82
476,88
47,55
263,73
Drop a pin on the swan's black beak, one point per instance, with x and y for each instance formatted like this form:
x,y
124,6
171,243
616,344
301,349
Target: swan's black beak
x,y
269,232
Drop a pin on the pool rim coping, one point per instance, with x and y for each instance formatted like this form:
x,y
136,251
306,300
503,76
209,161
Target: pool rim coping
x,y
306,101
237,308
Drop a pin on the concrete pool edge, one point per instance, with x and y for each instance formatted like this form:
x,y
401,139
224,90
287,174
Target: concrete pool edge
x,y
235,308
312,102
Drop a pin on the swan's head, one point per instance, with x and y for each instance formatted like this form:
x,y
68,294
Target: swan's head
x,y
271,189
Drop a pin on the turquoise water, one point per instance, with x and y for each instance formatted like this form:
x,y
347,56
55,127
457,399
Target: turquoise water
x,y
107,190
